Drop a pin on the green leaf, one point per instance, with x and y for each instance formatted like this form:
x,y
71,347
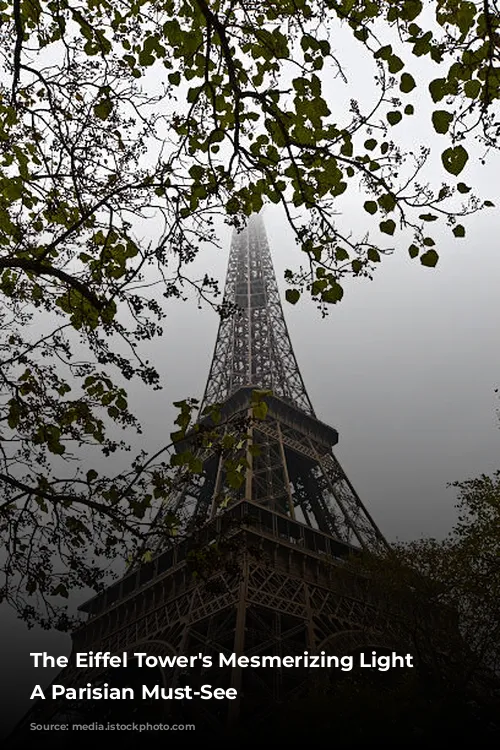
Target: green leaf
x,y
178,435
234,479
12,189
346,149
394,117
472,88
409,109
410,9
388,226
196,465
318,286
459,231
14,414
333,294
407,83
438,89
103,109
370,144
259,410
292,296
387,202
413,251
395,64
441,120
454,159
232,206
428,217
463,188
370,207
429,258
373,255
60,590
384,53
174,78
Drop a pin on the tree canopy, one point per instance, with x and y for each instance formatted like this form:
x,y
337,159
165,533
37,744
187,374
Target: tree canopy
x,y
461,574
453,628
113,114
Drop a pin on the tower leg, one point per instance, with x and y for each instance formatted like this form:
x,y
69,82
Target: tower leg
x,y
239,645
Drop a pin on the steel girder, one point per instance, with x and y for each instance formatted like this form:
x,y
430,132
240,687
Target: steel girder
x,y
253,347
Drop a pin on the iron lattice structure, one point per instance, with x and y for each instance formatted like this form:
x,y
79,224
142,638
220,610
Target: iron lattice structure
x,y
288,532
253,346
295,472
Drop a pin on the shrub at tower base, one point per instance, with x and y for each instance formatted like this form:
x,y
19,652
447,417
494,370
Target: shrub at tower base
x,y
411,712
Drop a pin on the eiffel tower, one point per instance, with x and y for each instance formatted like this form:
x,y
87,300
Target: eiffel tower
x,y
293,525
